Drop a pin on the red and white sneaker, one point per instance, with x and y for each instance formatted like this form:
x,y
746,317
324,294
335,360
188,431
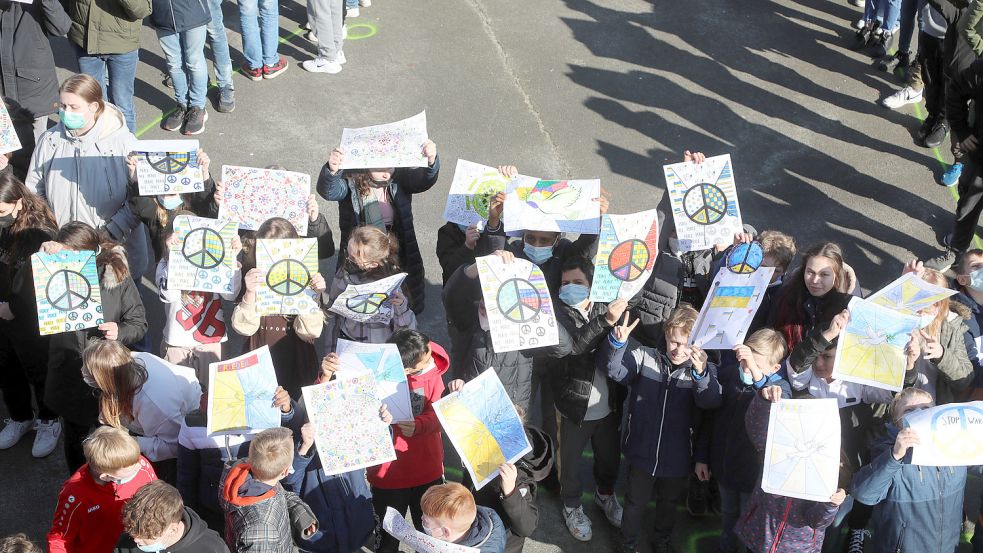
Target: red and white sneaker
x,y
273,71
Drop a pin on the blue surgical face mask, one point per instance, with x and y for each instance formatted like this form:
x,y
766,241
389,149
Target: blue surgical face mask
x,y
537,254
976,280
574,294
170,202
155,547
925,320
71,120
746,378
463,228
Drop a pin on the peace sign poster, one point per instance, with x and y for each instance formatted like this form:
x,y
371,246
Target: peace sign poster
x,y
288,266
370,302
202,259
168,167
704,202
66,286
626,253
949,435
517,300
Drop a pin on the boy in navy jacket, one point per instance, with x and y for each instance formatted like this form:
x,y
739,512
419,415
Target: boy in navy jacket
x,y
668,385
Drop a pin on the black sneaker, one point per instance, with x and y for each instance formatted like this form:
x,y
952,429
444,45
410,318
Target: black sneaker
x,y
855,541
175,120
883,44
895,62
697,498
926,128
935,138
226,99
866,35
662,545
194,123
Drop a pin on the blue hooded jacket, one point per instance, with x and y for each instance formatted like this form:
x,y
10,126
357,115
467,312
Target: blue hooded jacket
x,y
662,406
916,508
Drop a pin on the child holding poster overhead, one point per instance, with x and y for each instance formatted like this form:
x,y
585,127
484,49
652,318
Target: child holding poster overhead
x,y
778,523
371,255
916,508
668,387
383,198
290,337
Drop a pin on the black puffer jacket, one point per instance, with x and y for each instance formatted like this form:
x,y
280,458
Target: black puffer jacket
x,y
520,510
26,62
404,184
176,16
572,377
514,368
65,392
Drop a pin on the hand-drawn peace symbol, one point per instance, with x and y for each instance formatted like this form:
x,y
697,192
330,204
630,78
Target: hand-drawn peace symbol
x,y
960,438
67,290
168,162
705,204
628,260
745,258
518,300
203,248
288,277
367,304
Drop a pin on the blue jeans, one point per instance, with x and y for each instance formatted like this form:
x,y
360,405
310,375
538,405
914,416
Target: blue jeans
x,y
220,45
351,4
185,53
732,504
259,21
120,70
888,13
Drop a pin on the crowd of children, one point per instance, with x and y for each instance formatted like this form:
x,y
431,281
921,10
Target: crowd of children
x,y
673,422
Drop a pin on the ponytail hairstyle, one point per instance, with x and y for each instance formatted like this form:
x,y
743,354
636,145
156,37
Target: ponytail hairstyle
x,y
79,236
34,213
86,88
119,377
277,227
378,247
790,314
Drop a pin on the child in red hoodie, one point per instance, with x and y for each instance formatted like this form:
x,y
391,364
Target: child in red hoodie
x,y
419,448
89,514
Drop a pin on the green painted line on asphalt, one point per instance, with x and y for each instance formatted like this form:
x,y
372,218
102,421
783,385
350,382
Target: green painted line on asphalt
x,y
156,122
372,30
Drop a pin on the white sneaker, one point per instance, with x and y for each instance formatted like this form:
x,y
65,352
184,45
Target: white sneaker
x,y
312,36
13,432
906,95
364,3
344,32
47,438
340,58
612,509
353,12
321,65
859,24
577,523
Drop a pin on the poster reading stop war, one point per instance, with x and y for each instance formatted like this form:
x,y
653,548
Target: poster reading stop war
x,y
704,202
949,435
168,167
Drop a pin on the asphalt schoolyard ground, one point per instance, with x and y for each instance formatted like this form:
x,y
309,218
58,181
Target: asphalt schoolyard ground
x,y
580,89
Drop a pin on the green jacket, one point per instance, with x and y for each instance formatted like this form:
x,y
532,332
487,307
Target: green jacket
x,y
107,26
970,26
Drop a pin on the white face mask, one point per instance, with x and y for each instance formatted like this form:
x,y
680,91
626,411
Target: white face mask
x,y
924,321
121,481
976,280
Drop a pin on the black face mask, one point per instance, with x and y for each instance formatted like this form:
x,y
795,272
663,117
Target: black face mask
x,y
352,268
7,220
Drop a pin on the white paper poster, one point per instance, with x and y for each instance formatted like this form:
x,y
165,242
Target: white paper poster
x,y
626,253
370,302
552,205
288,266
399,528
168,167
730,306
472,190
202,259
385,364
950,435
253,195
704,202
398,144
802,454
240,394
518,303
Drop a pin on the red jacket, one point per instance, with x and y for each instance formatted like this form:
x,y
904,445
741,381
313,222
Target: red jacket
x,y
89,516
420,458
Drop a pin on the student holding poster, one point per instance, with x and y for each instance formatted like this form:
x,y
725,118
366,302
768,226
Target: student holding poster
x,y
25,223
383,198
916,508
